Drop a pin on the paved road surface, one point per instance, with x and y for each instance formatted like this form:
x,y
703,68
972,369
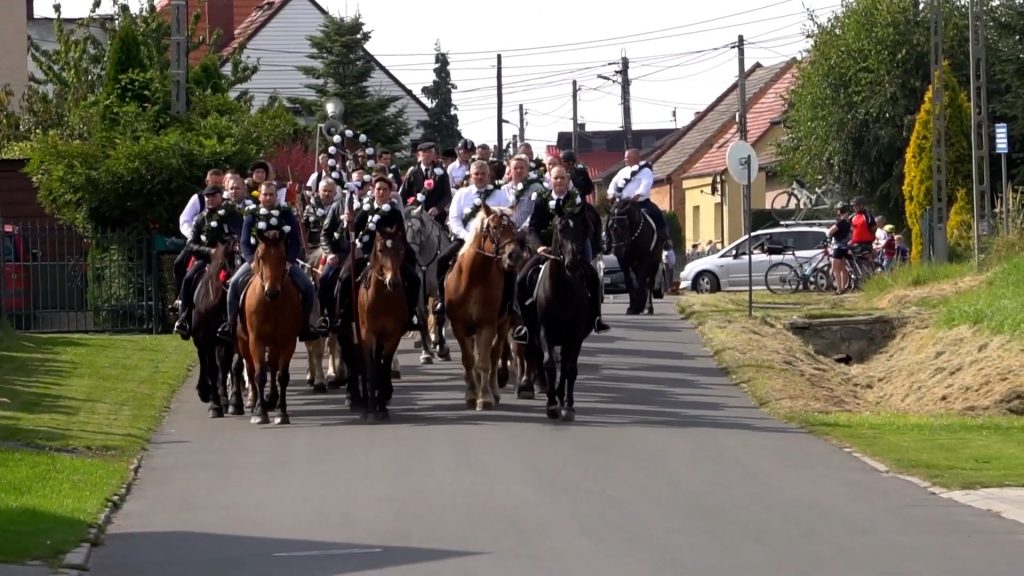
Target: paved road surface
x,y
669,470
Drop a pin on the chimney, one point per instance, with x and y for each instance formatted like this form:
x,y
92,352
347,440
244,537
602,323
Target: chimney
x,y
220,15
581,126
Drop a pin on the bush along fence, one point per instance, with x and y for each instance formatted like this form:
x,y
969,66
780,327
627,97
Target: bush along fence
x,y
57,280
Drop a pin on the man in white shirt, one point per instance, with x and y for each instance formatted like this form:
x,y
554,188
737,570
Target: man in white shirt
x,y
633,183
458,171
462,219
313,184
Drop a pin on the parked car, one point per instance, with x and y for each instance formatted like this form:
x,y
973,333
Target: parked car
x,y
17,285
727,269
611,275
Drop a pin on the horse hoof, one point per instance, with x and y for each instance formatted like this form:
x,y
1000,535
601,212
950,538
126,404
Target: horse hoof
x,y
364,416
568,415
381,416
333,384
260,419
396,375
426,360
553,412
650,311
525,394
310,382
217,412
502,377
282,419
482,405
470,403
204,395
445,354
236,410
319,388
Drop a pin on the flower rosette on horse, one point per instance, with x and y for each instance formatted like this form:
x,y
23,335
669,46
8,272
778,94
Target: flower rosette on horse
x,y
267,220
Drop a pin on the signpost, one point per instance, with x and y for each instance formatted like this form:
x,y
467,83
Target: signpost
x,y
741,160
1003,149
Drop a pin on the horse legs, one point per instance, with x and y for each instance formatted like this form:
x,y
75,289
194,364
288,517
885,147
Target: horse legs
x,y
336,371
384,386
426,355
497,349
315,371
236,407
567,381
550,369
440,345
504,361
259,405
484,366
466,345
281,385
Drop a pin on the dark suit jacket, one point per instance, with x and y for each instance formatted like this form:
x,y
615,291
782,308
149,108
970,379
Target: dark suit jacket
x,y
293,241
230,224
440,197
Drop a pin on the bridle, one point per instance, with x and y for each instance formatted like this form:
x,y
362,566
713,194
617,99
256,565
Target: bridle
x,y
259,269
422,223
617,215
492,233
374,269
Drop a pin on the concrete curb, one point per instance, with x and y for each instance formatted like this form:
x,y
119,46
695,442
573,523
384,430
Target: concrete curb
x,y
77,561
986,499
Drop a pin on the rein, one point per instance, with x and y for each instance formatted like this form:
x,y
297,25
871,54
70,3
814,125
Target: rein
x,y
636,234
490,233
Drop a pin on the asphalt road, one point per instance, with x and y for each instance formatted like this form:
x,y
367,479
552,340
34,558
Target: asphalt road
x,y
668,470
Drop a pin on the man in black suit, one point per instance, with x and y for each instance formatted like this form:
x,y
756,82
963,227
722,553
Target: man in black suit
x,y
426,183
577,173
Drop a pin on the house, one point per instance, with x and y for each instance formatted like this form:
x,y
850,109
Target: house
x,y
14,16
274,33
41,31
688,162
600,149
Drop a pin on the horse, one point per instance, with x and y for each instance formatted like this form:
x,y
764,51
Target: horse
x,y
215,355
268,328
427,239
634,241
563,315
473,291
316,378
383,313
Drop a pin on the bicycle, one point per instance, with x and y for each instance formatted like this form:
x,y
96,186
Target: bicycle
x,y
798,201
809,274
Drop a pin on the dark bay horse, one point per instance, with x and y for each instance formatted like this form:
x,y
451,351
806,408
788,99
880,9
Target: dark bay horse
x,y
563,314
473,291
269,326
216,356
383,315
634,240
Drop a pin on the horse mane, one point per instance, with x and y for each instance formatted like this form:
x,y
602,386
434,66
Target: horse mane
x,y
479,219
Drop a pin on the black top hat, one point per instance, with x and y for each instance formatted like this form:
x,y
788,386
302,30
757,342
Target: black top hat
x,y
424,146
260,164
213,191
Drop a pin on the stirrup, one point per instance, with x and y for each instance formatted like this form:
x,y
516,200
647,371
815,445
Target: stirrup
x,y
520,335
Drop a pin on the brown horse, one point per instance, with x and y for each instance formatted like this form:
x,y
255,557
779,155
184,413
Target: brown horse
x,y
383,315
473,291
269,326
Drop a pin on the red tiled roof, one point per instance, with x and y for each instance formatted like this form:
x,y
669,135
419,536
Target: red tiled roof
x,y
596,161
767,108
256,20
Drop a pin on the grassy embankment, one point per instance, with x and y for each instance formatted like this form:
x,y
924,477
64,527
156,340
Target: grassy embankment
x,y
943,401
74,411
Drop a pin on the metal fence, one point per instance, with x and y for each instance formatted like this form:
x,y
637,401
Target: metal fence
x,y
56,280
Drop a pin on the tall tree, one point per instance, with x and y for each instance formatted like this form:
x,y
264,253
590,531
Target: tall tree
x,y
1005,29
860,85
442,123
344,69
917,182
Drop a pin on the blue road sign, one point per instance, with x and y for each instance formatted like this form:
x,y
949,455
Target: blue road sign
x,y
1002,139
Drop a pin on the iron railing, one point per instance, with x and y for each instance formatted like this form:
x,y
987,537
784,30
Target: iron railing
x,y
56,280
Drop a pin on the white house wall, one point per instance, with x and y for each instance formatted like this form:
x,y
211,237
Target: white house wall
x,y
281,46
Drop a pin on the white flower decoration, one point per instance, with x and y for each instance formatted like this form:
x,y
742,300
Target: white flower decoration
x,y
533,196
332,151
369,151
286,228
366,206
367,177
214,223
349,133
275,212
389,243
552,204
370,163
337,138
332,162
261,225
372,226
273,221
531,175
252,240
547,185
376,217
477,201
362,138
264,211
202,237
386,207
421,198
519,187
365,238
221,212
467,211
438,171
320,211
335,175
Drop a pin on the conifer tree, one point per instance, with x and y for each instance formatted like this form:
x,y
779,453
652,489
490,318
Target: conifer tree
x,y
442,123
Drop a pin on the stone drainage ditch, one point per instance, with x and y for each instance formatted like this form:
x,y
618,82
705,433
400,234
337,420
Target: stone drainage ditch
x,y
846,340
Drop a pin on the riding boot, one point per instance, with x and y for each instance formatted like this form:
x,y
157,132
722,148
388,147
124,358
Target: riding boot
x,y
521,334
594,288
410,282
227,329
183,327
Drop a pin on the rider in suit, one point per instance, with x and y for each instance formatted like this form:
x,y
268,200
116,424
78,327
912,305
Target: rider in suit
x,y
560,199
427,183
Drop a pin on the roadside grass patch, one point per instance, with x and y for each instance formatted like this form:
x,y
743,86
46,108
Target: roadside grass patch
x,y
994,307
914,276
74,412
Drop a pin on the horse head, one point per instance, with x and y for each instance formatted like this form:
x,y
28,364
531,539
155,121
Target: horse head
x,y
624,222
419,233
496,236
271,262
570,234
388,254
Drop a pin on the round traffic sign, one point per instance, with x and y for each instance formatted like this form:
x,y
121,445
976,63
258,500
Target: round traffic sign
x,y
736,161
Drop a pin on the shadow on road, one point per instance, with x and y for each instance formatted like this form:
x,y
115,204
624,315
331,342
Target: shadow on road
x,y
176,553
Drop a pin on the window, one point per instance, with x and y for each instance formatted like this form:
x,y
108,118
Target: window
x,y
695,224
718,220
9,254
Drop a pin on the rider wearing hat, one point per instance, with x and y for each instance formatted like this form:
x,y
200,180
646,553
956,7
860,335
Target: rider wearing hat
x,y
458,171
577,173
217,223
289,224
426,183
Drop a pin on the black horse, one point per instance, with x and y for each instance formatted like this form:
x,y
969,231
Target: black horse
x,y
563,314
215,355
633,239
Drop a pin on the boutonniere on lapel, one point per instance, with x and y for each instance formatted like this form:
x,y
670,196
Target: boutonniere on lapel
x,y
428,185
620,186
481,196
267,220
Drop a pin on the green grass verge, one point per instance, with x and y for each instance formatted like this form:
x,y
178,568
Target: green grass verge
x,y
74,411
955,452
914,276
994,307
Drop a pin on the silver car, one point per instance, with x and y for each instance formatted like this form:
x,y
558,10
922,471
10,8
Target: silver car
x,y
727,270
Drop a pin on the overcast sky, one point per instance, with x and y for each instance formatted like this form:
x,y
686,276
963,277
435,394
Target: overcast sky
x,y
681,54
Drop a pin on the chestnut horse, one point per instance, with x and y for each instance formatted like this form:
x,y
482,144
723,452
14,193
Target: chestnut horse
x,y
269,327
383,315
473,292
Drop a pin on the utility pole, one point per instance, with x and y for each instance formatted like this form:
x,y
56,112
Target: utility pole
x,y
179,58
522,125
627,114
939,244
979,121
575,116
675,121
501,117
741,125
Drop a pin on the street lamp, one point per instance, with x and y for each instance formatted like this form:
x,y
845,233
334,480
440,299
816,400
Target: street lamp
x,y
335,108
